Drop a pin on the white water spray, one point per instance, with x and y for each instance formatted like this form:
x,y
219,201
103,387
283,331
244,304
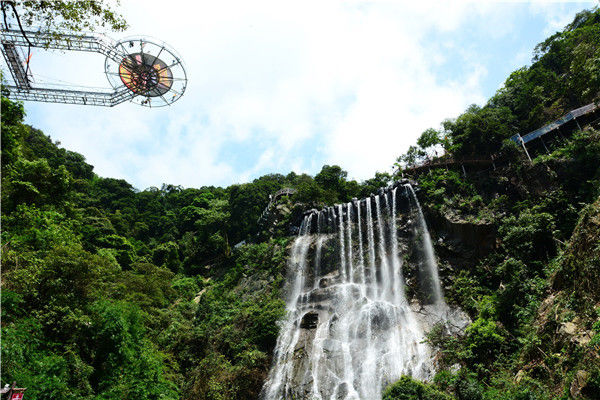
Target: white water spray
x,y
349,330
430,263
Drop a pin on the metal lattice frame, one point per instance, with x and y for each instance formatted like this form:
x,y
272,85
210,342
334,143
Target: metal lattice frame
x,y
66,96
24,90
96,43
146,61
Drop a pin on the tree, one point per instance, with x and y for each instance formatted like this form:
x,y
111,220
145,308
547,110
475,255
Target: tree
x,y
380,180
479,131
247,201
412,156
332,179
58,16
34,182
409,389
429,139
125,363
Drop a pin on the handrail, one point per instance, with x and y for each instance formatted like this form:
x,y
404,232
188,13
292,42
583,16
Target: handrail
x,y
273,198
517,138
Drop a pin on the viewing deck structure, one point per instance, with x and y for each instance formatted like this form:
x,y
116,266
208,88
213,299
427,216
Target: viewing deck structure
x,y
273,198
573,119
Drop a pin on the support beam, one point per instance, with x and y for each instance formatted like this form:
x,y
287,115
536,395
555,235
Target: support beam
x,y
107,99
89,43
23,90
544,144
524,147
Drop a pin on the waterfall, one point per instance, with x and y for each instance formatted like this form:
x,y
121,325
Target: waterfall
x,y
318,251
385,280
361,258
349,329
349,234
371,245
289,334
431,265
399,297
342,243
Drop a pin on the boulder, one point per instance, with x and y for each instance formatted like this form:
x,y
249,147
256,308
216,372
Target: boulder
x,y
199,296
579,383
520,375
568,329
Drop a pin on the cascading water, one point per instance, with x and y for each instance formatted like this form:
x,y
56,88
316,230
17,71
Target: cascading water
x,y
431,269
349,328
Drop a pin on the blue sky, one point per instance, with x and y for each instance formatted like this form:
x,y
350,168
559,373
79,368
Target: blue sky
x,y
278,86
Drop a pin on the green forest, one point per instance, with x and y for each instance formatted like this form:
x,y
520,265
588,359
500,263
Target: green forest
x,y
112,292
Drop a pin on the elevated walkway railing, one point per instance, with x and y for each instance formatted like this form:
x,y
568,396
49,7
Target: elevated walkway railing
x,y
570,116
436,163
273,199
447,161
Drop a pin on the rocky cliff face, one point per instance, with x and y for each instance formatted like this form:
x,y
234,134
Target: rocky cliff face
x,y
567,319
362,292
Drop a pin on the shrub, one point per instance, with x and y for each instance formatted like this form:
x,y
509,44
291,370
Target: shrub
x,y
409,389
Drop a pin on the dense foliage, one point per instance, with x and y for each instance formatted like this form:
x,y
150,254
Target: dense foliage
x,y
410,389
111,292
533,294
60,16
564,75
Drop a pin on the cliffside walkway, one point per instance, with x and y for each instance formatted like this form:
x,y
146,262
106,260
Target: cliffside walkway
x,y
273,198
586,114
449,162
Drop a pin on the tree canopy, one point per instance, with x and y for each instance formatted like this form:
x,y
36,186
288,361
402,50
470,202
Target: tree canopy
x,y
60,16
109,291
563,75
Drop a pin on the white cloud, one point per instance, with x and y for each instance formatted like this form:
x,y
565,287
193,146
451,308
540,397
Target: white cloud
x,y
356,81
556,13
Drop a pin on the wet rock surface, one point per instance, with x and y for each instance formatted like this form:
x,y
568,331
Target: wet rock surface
x,y
309,321
361,279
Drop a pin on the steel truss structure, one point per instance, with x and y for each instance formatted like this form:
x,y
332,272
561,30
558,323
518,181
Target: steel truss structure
x,y
140,81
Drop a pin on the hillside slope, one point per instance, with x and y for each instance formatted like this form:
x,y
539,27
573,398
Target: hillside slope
x,y
112,292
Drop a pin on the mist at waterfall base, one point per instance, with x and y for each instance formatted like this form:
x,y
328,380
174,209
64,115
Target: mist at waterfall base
x,y
350,329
